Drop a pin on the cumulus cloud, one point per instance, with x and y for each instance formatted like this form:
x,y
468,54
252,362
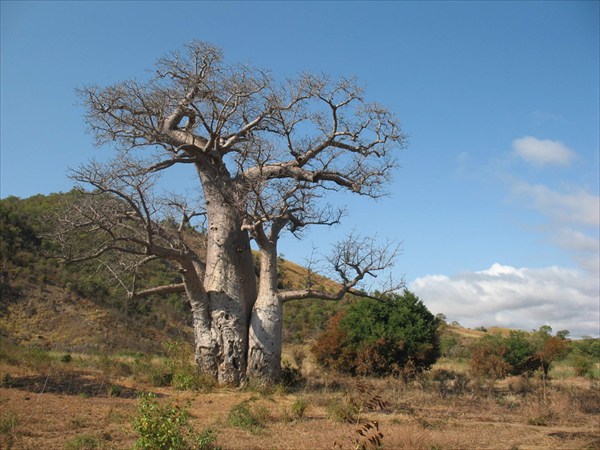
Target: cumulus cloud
x,y
518,298
542,152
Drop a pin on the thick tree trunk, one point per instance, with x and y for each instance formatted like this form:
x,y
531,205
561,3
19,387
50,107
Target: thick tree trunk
x,y
229,281
264,353
205,343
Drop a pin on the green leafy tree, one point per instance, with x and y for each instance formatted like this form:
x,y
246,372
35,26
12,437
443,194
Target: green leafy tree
x,y
519,352
375,337
586,346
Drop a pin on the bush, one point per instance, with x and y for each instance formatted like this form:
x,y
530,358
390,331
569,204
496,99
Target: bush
x,y
298,409
83,442
343,410
495,357
166,427
290,376
488,360
450,382
242,416
184,374
582,365
519,353
587,346
380,337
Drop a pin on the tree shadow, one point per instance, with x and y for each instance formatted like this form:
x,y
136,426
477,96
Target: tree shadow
x,y
71,383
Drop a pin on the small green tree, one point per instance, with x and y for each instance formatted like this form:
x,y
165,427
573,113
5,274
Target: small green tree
x,y
380,337
519,353
548,348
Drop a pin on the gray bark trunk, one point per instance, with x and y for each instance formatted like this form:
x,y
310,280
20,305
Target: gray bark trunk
x,y
264,353
229,280
204,342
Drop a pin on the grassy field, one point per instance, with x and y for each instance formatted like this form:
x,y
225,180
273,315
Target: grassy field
x,y
90,394
85,401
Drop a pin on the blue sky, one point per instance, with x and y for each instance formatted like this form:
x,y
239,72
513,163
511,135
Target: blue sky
x,y
497,198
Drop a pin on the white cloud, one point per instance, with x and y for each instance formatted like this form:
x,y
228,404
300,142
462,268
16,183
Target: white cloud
x,y
574,220
576,207
542,152
520,298
570,239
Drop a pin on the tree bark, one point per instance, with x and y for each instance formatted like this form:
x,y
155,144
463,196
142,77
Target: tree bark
x,y
205,344
229,280
264,353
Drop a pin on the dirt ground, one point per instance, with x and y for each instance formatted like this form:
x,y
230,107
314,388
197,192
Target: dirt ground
x,y
77,412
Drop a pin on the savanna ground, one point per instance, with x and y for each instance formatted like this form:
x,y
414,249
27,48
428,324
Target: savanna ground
x,y
58,401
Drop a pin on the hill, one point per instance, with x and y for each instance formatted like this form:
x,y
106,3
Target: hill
x,y
80,307
100,349
45,302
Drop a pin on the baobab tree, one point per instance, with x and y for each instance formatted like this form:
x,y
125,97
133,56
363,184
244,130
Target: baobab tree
x,y
265,154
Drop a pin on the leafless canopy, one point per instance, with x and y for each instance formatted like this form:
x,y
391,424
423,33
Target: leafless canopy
x,y
352,260
273,148
237,120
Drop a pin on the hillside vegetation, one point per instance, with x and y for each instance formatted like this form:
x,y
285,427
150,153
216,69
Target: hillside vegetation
x,y
47,302
120,370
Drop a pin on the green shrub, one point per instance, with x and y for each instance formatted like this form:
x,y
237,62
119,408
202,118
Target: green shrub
x,y
298,409
519,352
207,440
494,357
382,337
84,442
166,427
184,372
343,410
586,346
583,366
242,416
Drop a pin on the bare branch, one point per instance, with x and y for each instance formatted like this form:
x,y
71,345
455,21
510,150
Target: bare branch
x,y
168,289
353,259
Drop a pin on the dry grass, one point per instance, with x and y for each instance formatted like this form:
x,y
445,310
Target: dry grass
x,y
518,415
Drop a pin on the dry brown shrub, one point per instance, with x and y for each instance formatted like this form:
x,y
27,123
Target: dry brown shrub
x,y
585,400
522,385
550,406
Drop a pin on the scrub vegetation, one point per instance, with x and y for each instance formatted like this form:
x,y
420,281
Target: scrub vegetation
x,y
83,366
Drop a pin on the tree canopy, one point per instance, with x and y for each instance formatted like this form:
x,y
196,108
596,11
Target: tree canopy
x,y
381,337
265,154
